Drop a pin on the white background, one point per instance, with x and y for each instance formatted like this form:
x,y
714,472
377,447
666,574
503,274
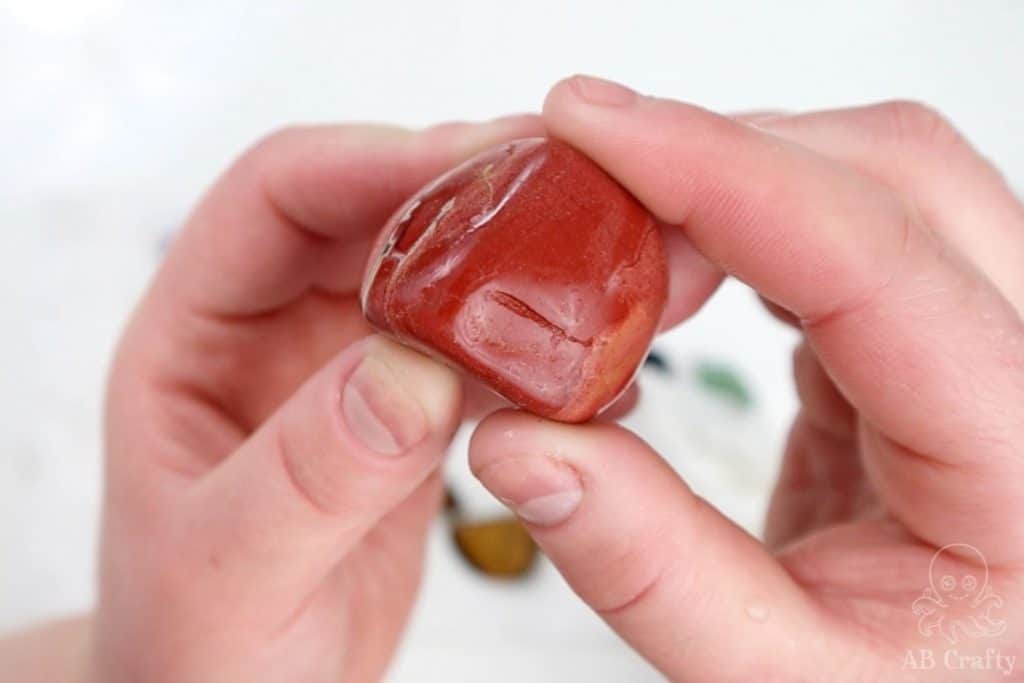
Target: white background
x,y
113,116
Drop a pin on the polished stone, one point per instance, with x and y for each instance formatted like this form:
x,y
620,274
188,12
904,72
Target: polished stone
x,y
530,268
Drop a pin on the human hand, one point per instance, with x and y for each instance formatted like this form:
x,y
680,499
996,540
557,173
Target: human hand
x,y
271,468
897,250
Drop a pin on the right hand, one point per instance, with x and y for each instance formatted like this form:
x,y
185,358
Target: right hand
x,y
899,253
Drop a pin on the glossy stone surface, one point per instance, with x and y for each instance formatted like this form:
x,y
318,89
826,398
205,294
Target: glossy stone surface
x,y
530,268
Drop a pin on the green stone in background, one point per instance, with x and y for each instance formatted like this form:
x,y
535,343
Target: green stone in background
x,y
722,381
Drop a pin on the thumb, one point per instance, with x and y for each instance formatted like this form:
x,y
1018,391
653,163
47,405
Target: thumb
x,y
353,443
694,594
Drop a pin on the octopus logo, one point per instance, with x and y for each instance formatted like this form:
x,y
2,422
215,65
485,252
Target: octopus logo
x,y
959,601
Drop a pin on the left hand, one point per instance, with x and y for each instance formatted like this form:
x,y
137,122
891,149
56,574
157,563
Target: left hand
x,y
260,523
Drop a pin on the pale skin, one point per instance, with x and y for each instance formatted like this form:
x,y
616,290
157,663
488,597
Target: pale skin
x,y
262,523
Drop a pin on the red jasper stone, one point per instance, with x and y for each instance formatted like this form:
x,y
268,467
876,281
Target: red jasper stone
x,y
530,268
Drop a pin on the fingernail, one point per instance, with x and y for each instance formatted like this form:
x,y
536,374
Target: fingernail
x,y
601,92
538,489
378,408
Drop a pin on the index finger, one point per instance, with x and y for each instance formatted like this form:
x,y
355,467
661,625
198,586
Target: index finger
x,y
918,340
301,207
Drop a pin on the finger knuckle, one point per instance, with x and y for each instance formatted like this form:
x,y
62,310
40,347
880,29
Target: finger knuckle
x,y
257,164
307,474
915,122
627,594
288,161
276,140
631,578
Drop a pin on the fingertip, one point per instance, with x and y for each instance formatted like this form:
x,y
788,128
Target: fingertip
x,y
692,278
598,117
435,387
520,459
570,117
460,140
526,123
557,98
494,437
514,433
583,90
630,141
